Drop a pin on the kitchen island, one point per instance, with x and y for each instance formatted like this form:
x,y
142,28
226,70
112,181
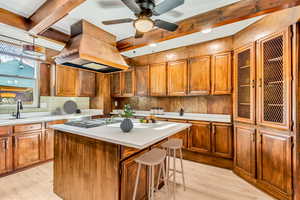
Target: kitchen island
x,y
98,163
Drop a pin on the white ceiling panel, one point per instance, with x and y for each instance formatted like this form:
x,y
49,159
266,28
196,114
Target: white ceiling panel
x,y
24,8
219,32
96,11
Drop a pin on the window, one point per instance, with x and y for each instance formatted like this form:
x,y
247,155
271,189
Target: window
x,y
18,76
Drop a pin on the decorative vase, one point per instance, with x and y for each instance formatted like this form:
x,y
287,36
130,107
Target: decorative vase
x,y
126,125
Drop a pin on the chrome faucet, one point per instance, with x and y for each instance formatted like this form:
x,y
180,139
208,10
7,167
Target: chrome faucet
x,y
19,107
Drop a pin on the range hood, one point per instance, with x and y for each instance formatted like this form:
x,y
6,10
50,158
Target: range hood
x,y
91,48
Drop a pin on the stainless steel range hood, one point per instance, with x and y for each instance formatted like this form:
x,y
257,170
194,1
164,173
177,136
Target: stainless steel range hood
x,y
91,48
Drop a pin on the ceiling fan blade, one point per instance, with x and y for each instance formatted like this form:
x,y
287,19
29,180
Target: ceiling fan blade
x,y
166,25
118,21
139,34
166,6
110,4
133,6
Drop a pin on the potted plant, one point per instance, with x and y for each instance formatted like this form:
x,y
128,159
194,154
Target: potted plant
x,y
127,124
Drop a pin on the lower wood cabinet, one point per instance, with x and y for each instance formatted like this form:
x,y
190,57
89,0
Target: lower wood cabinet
x,y
49,144
211,138
245,151
200,137
274,162
222,140
183,135
28,149
6,155
128,176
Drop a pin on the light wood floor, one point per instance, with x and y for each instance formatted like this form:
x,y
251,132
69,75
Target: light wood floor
x,y
203,183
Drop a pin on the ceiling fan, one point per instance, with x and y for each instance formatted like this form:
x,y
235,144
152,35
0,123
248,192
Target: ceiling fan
x,y
144,10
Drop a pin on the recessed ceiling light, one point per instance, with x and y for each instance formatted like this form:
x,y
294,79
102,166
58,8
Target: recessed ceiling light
x,y
208,30
153,45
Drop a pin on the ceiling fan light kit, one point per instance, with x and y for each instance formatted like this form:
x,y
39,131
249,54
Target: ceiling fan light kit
x,y
143,24
144,10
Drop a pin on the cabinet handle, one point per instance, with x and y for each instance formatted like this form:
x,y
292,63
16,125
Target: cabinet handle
x,y
253,83
260,82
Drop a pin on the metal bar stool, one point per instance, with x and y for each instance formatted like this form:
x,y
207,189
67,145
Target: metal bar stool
x,y
151,159
172,145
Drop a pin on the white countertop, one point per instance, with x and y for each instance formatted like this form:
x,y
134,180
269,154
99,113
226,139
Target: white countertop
x,y
140,137
35,117
186,116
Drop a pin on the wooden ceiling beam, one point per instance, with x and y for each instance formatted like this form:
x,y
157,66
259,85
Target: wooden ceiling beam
x,y
51,12
232,13
20,22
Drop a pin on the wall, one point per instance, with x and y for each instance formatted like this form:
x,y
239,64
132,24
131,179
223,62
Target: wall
x,y
49,104
201,104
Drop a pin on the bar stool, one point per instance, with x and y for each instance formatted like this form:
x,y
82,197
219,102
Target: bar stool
x,y
151,159
174,144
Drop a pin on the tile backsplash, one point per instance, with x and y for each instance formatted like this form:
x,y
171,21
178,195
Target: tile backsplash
x,y
50,104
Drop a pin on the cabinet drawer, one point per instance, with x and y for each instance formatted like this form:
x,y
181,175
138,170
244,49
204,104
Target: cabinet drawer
x,y
27,127
55,122
5,130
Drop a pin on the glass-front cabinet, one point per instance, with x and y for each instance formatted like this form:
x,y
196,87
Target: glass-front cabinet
x,y
245,84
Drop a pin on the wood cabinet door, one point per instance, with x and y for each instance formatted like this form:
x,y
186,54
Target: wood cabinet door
x,y
142,80
28,149
199,75
86,83
158,79
200,137
274,81
6,155
222,140
66,81
245,150
128,177
244,84
221,73
115,82
45,78
177,78
127,83
49,144
274,161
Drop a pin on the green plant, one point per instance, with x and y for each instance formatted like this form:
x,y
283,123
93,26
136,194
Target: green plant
x,y
128,112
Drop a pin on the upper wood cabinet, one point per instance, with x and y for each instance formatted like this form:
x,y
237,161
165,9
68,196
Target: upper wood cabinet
x,y
199,75
245,151
244,84
221,73
142,80
45,79
222,140
86,84
115,84
274,80
28,149
200,137
6,155
158,79
127,83
66,81
177,78
274,161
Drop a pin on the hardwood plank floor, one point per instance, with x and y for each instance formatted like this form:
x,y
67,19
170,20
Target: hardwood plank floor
x,y
203,182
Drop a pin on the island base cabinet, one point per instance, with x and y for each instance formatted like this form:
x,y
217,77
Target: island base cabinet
x,y
28,149
274,158
245,151
5,155
128,178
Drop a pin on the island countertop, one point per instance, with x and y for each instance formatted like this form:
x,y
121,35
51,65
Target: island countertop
x,y
140,137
